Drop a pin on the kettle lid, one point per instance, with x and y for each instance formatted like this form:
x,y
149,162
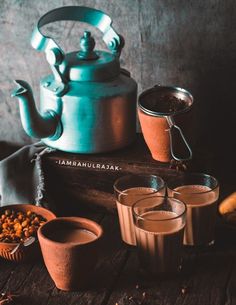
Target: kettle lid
x,y
89,65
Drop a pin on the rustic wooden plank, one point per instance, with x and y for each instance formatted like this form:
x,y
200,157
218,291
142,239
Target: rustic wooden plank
x,y
230,288
209,275
204,278
6,268
12,275
207,284
88,179
37,287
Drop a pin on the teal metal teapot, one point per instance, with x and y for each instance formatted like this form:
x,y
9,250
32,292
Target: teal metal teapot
x,y
88,104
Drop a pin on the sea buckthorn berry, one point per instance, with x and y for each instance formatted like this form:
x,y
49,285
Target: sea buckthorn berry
x,y
5,226
25,223
17,226
20,217
8,212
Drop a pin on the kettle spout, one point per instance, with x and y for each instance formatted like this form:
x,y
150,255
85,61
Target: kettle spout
x,y
35,124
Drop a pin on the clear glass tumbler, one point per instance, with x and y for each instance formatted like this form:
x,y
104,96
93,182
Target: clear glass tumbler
x,y
128,189
200,192
159,228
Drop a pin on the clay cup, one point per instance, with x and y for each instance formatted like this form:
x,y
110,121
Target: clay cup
x,y
156,108
70,264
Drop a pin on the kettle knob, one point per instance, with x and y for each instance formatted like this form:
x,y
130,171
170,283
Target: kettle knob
x,y
87,44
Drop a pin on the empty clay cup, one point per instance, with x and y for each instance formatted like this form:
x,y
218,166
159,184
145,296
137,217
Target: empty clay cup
x,y
157,108
70,247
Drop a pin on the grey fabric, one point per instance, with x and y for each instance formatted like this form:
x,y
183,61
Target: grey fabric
x,y
21,176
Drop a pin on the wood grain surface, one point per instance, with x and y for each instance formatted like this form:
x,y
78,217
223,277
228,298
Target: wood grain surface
x,y
207,278
80,181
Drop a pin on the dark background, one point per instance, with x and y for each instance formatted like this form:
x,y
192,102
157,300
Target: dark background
x,y
188,43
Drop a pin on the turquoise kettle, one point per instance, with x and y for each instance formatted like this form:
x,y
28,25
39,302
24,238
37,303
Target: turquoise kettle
x,y
88,104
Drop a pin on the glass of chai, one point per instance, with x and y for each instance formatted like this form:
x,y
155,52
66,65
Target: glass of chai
x,y
159,228
200,192
128,189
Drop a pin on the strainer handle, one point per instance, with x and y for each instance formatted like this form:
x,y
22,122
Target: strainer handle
x,y
173,126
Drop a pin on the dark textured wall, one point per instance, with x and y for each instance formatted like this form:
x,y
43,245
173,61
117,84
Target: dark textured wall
x,y
189,43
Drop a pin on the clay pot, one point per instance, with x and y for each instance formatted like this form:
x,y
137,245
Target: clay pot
x,y
156,136
153,113
70,264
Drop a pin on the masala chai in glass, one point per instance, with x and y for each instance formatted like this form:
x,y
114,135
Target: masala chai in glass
x,y
200,192
159,227
128,189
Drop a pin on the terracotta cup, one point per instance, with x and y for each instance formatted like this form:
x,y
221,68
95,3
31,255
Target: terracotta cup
x,y
69,263
156,108
156,136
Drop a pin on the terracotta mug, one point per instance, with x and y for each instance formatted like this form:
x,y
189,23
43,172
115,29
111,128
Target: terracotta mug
x,y
70,250
157,108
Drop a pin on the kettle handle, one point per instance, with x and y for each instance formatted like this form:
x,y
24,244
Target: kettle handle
x,y
98,19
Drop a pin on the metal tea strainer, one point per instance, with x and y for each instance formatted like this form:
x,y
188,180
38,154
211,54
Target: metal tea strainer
x,y
167,102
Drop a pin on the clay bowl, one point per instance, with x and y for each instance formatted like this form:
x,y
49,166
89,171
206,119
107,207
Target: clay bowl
x,y
31,251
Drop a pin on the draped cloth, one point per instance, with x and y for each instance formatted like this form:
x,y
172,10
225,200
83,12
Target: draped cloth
x,y
22,177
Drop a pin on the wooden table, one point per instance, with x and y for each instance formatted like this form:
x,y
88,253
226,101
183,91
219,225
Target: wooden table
x,y
208,276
